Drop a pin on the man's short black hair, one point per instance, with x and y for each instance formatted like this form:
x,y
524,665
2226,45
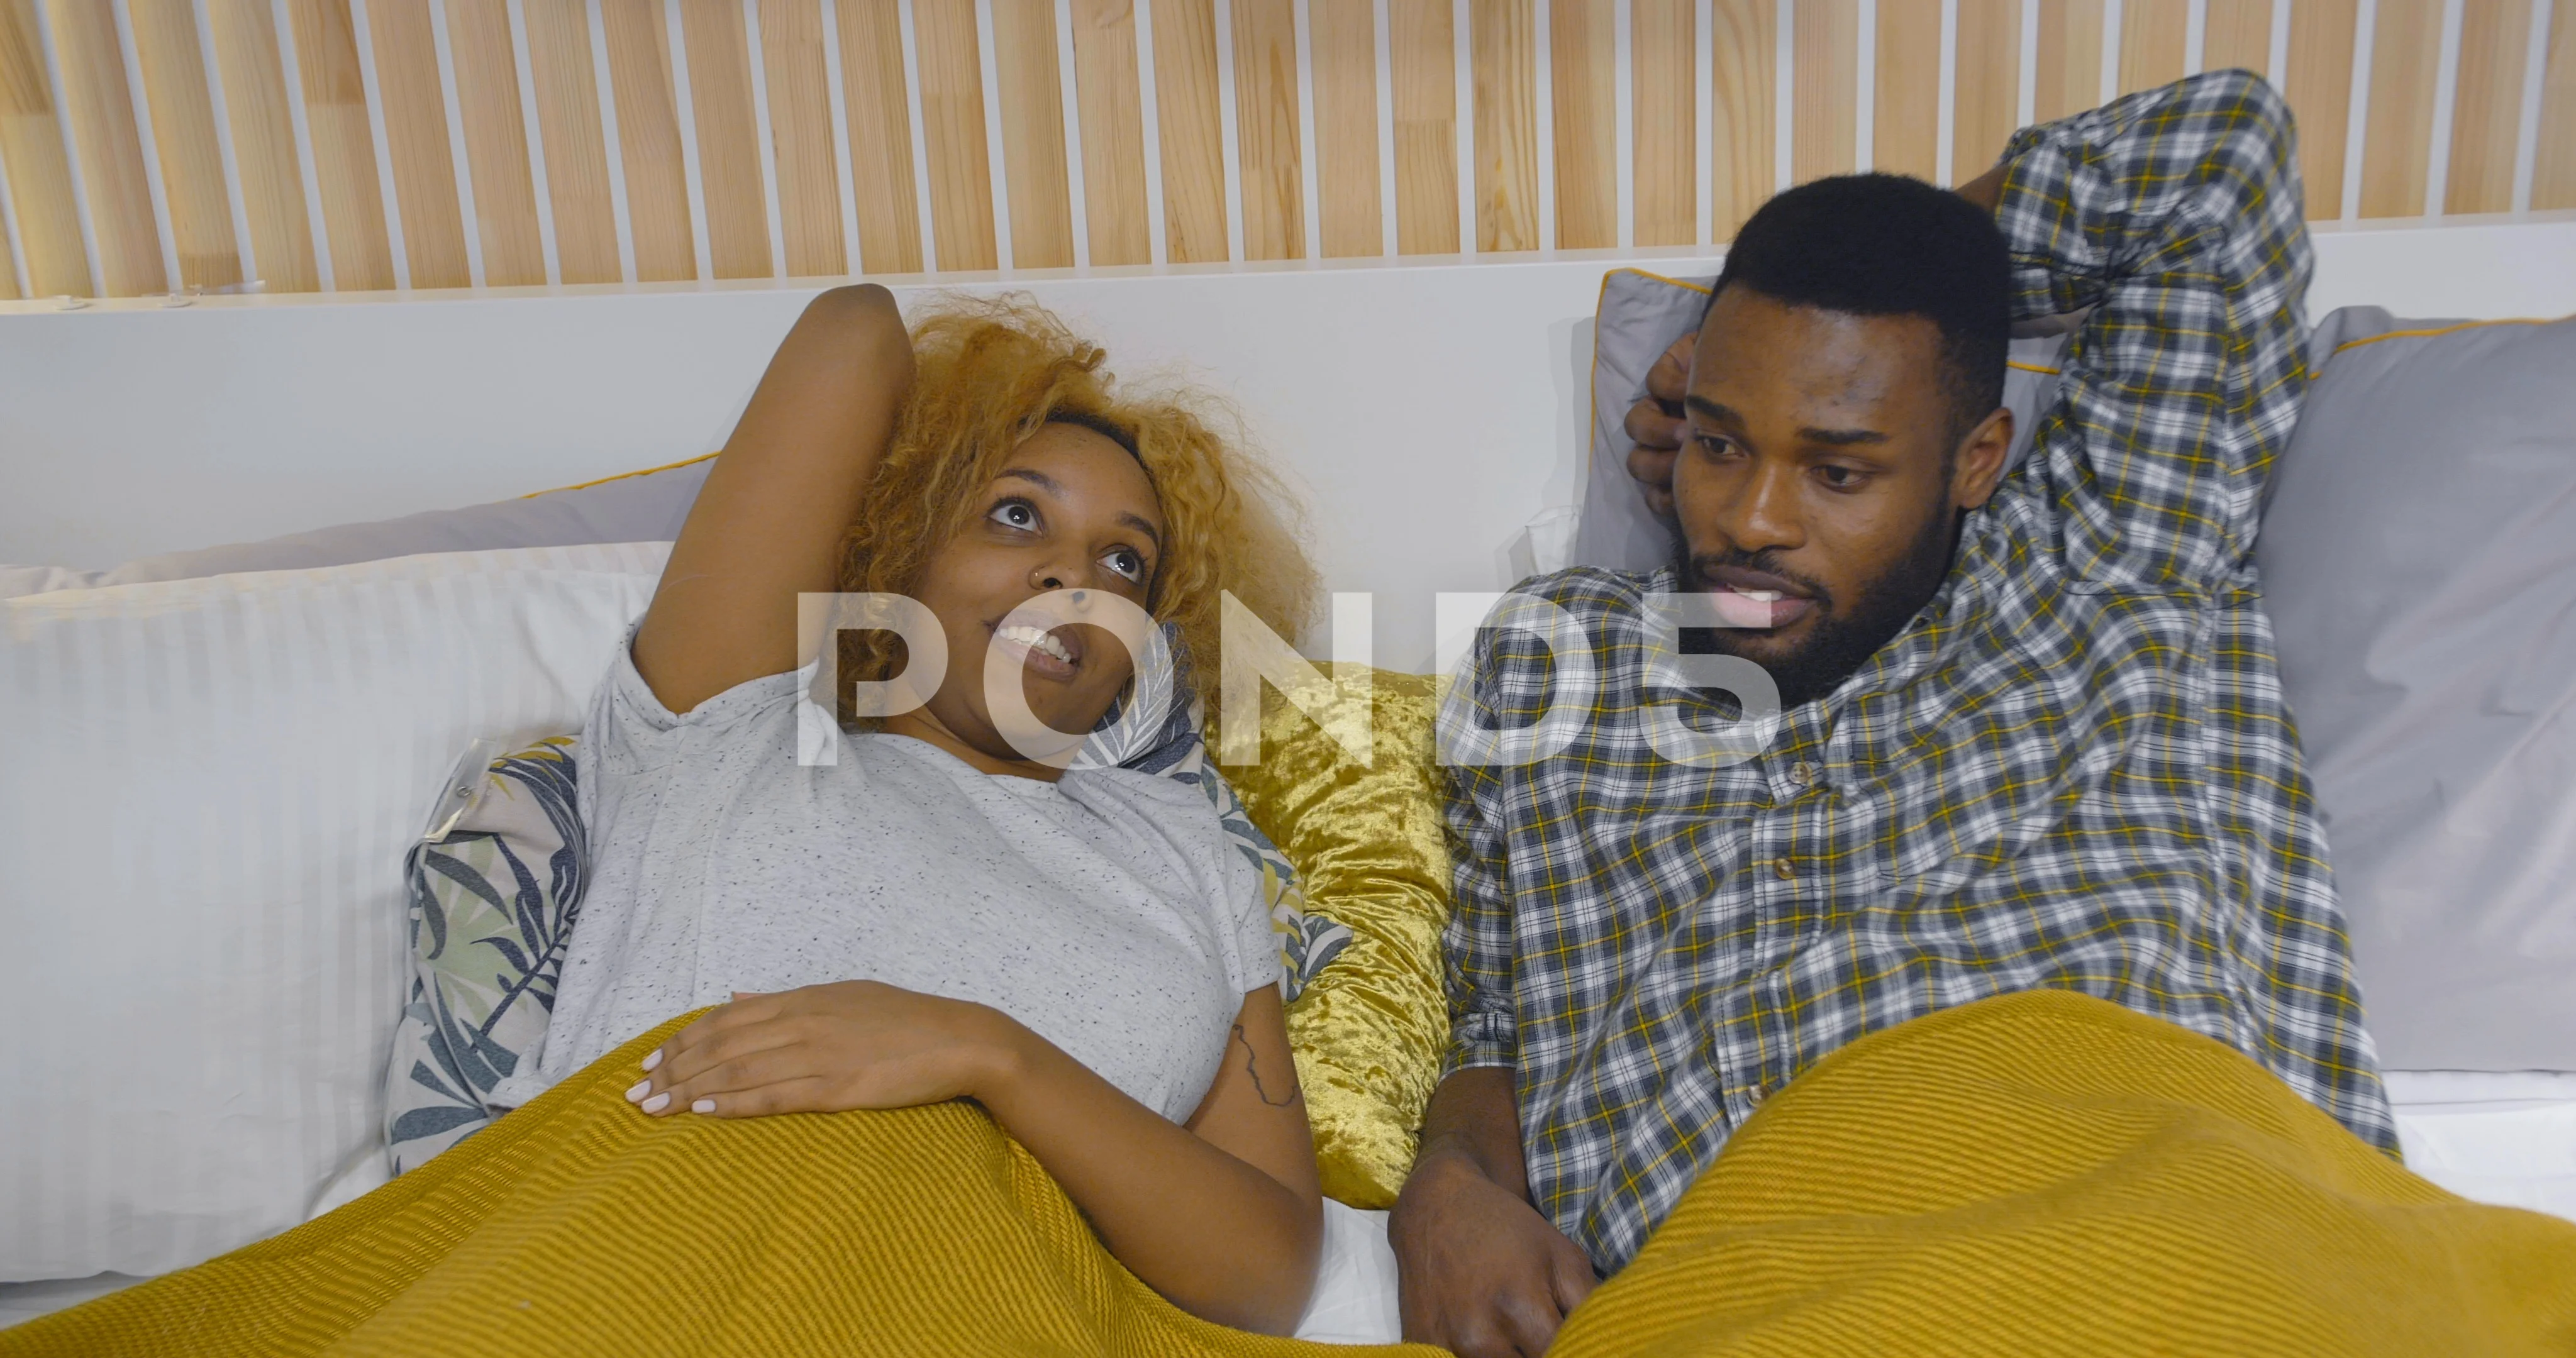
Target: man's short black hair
x,y
1886,245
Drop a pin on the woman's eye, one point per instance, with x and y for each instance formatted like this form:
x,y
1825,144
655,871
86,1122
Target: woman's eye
x,y
1126,563
1015,514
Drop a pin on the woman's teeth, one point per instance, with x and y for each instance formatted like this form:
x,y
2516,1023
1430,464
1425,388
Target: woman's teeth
x,y
1037,640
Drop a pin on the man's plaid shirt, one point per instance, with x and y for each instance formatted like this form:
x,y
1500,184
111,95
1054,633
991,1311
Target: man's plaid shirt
x,y
2072,770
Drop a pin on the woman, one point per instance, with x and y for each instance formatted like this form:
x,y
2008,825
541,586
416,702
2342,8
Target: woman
x,y
934,914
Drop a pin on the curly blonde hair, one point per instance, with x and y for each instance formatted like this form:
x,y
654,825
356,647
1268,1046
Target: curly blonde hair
x,y
989,373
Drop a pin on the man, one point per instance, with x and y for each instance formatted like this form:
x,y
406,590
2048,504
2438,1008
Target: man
x,y
2033,733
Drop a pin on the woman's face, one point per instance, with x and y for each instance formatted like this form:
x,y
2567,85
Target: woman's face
x,y
1071,510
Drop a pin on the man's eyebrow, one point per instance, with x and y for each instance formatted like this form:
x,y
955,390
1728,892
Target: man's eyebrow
x,y
1836,438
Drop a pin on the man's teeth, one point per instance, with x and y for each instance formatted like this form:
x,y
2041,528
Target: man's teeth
x,y
1037,640
1761,596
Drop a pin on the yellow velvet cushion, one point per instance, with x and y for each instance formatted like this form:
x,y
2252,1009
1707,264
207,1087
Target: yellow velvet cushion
x,y
1369,1028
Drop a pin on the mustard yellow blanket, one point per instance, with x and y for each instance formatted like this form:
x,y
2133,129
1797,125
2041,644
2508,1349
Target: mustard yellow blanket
x,y
2033,1174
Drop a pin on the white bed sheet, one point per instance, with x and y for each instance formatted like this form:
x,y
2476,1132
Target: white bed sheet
x,y
2505,1138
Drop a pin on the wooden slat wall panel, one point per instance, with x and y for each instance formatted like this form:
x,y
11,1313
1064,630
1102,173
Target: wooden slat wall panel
x,y
2153,40
1905,134
1266,129
183,136
101,107
2486,120
2319,88
1744,103
1584,92
1503,40
415,114
648,140
40,175
1193,131
873,95
1423,69
486,63
1822,134
2237,34
9,291
1343,45
2397,145
2069,79
1109,93
569,129
1987,107
117,166
2553,171
728,138
269,173
800,131
332,84
1664,130
1024,58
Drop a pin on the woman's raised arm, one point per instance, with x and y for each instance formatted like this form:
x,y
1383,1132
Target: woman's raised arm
x,y
768,524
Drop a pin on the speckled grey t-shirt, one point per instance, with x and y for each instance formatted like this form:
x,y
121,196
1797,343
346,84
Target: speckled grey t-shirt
x,y
1105,911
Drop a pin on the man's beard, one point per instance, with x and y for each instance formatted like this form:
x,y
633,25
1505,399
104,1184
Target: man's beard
x,y
1843,640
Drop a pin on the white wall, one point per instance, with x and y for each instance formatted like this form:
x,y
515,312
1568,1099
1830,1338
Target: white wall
x,y
1431,411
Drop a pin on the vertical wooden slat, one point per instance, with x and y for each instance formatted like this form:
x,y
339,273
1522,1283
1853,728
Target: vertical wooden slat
x,y
2153,41
1664,126
1193,131
40,175
1822,123
8,265
1905,135
1502,38
1744,151
2069,79
1584,94
183,136
728,138
576,146
2486,119
648,140
1423,66
1987,105
1110,97
1266,129
101,107
2237,35
266,168
415,114
1344,44
2405,61
1032,101
874,97
496,142
952,115
2553,170
800,130
333,87
2319,88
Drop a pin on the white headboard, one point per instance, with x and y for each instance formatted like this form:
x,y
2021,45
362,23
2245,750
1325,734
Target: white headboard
x,y
1431,412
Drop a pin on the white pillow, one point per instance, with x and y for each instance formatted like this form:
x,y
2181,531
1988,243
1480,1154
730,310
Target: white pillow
x,y
204,803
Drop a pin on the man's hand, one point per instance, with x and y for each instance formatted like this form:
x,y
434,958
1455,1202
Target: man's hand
x,y
1656,423
1480,1272
825,1049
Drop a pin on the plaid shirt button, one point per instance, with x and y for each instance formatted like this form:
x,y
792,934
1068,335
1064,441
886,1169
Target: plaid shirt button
x,y
1783,869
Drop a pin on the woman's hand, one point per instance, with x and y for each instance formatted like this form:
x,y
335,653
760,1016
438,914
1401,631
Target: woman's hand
x,y
827,1049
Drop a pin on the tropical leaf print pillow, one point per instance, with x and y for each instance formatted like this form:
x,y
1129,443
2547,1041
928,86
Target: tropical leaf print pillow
x,y
494,887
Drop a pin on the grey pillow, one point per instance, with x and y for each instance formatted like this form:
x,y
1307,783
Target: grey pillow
x,y
2418,560
1640,316
642,507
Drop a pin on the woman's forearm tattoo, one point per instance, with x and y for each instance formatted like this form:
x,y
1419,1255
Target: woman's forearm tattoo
x,y
1252,1067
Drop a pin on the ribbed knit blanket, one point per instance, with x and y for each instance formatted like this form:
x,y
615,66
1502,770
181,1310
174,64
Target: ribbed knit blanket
x,y
2032,1174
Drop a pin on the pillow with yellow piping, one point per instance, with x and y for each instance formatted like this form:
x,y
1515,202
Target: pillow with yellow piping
x,y
1366,840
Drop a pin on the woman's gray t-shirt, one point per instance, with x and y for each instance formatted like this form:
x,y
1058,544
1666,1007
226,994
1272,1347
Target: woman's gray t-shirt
x,y
1106,911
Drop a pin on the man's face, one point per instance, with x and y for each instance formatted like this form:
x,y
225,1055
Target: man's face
x,y
1819,482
